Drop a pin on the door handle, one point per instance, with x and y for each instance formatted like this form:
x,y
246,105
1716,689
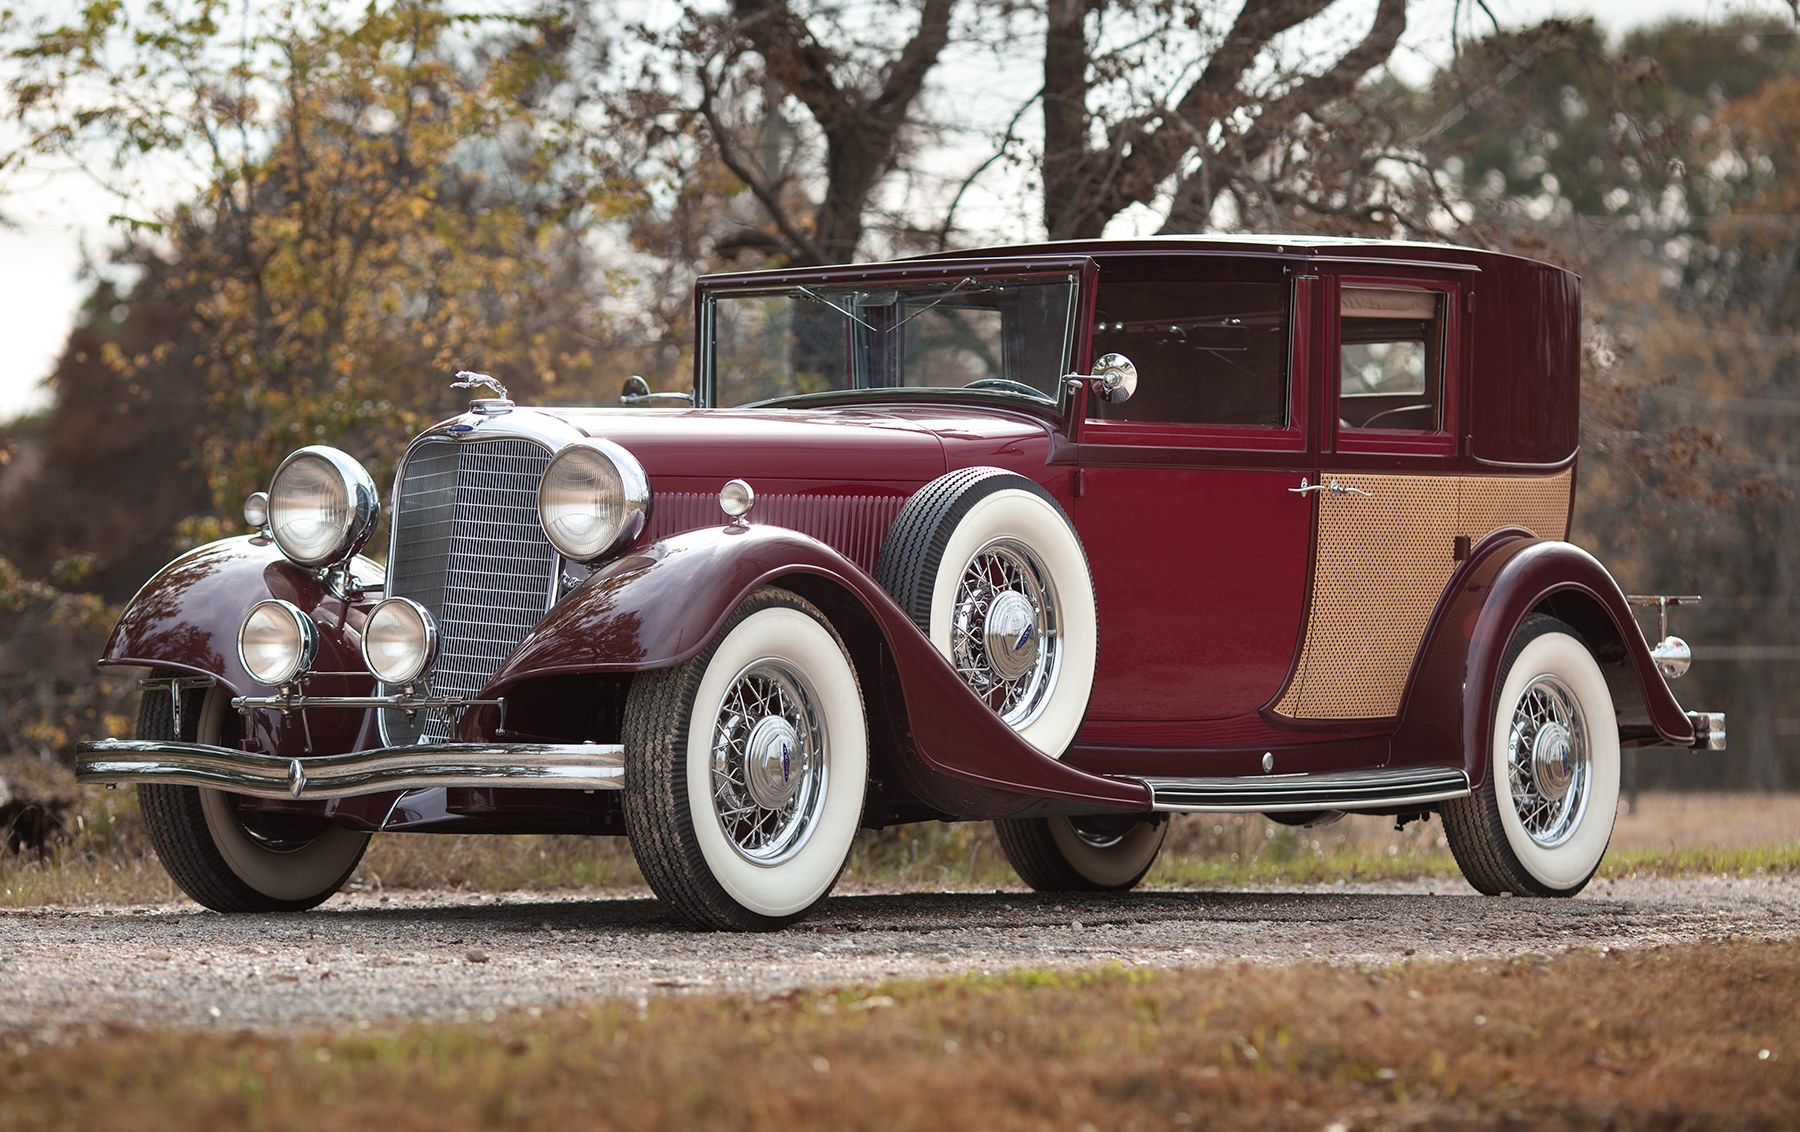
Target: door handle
x,y
1334,487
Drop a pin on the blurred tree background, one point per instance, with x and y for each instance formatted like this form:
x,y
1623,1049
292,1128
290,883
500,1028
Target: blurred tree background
x,y
384,194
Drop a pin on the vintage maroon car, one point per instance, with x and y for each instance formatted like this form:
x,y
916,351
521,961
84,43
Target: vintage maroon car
x,y
1069,536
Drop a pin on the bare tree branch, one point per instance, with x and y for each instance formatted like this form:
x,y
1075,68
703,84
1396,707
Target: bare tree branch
x,y
861,127
799,241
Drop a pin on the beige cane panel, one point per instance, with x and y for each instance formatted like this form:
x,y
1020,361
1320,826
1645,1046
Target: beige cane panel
x,y
1539,504
1383,562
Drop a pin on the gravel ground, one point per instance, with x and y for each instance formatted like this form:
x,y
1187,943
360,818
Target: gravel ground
x,y
372,958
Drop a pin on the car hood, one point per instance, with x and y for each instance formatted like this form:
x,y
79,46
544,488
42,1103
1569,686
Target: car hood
x,y
905,445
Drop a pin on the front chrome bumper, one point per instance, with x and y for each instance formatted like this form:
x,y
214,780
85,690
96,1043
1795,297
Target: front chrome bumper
x,y
577,766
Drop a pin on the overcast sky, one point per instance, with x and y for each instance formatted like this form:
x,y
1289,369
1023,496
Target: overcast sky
x,y
53,218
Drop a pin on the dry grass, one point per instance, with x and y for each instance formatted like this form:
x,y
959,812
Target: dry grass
x,y
1576,1041
108,859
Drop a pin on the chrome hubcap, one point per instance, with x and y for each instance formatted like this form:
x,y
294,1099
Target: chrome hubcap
x,y
1547,761
768,766
1010,635
769,770
1004,631
1552,761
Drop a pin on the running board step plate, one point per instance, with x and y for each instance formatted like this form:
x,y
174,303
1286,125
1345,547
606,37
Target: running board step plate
x,y
1379,789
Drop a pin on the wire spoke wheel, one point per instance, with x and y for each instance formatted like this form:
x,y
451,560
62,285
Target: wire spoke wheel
x,y
746,768
1547,762
1093,853
227,859
768,771
1005,632
988,566
1540,820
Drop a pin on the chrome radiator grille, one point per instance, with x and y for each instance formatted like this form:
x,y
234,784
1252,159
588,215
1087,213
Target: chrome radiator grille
x,y
468,547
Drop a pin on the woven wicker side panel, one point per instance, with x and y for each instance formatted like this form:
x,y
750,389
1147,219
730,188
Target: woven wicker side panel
x,y
1540,504
1383,562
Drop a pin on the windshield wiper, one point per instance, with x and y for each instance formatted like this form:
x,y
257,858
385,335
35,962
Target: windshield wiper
x,y
965,284
809,293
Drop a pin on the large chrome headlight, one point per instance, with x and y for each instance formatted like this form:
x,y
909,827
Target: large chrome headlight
x,y
322,506
277,642
593,500
400,641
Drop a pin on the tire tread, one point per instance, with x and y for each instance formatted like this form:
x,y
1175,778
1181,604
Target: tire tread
x,y
916,540
1033,853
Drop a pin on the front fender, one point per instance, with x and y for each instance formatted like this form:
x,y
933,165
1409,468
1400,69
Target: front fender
x,y
186,619
661,606
1449,703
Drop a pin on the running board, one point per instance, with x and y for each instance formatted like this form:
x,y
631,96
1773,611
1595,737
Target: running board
x,y
1379,789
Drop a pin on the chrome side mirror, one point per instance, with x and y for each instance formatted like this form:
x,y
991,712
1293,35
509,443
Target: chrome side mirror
x,y
1115,378
637,392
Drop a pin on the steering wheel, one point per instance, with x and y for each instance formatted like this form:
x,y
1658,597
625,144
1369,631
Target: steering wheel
x,y
1397,410
1007,385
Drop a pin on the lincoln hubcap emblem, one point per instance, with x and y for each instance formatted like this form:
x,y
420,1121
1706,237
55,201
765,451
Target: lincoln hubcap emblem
x,y
787,765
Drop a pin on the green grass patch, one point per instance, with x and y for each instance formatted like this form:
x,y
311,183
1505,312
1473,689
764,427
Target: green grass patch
x,y
1579,1040
1753,860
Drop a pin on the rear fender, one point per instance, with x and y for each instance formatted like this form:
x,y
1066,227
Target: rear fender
x,y
662,605
1449,710
186,619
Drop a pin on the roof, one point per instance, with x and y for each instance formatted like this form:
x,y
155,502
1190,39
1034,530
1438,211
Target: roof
x,y
1264,244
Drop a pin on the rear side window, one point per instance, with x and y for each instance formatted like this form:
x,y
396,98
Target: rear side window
x,y
1391,358
1207,352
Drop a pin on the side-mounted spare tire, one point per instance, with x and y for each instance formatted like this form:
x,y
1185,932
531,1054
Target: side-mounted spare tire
x,y
989,567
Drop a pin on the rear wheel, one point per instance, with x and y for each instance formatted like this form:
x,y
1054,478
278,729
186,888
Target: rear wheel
x,y
232,862
1085,854
745,768
1540,823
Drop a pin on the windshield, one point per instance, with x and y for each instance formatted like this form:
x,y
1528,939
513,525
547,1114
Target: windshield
x,y
1001,334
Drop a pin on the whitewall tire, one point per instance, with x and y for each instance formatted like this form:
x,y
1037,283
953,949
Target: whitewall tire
x,y
228,862
989,567
1540,823
1084,854
745,768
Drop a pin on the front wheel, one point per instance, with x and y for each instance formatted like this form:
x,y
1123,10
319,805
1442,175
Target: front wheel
x,y
226,860
1540,823
1085,854
745,768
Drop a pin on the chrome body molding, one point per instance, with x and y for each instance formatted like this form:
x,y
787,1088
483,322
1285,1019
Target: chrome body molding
x,y
1376,789
576,766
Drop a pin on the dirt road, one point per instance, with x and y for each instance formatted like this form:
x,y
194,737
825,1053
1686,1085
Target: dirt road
x,y
373,958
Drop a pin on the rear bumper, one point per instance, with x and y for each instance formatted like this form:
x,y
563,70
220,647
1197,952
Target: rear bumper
x,y
584,766
1709,730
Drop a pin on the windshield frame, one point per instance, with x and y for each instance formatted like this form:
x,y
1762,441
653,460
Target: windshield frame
x,y
948,272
